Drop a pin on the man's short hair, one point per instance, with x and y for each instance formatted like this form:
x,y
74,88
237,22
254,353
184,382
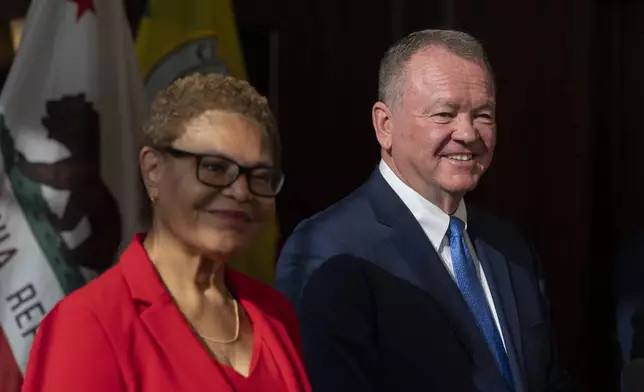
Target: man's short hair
x,y
392,65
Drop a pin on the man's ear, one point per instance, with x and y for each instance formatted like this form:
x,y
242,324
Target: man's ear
x,y
151,165
383,124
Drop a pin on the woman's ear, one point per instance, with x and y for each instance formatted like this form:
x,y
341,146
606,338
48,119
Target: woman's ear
x,y
151,165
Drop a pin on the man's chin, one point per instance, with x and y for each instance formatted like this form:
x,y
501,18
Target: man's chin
x,y
460,186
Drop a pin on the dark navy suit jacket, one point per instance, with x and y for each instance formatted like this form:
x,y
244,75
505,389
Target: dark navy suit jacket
x,y
380,312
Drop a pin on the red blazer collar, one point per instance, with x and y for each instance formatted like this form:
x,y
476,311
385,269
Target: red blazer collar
x,y
166,323
142,278
145,283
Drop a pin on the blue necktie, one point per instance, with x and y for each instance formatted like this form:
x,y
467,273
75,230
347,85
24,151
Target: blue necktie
x,y
470,285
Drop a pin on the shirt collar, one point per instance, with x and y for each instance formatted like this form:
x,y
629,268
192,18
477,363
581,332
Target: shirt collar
x,y
431,218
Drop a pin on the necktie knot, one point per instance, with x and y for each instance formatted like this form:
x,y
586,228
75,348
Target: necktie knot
x,y
456,228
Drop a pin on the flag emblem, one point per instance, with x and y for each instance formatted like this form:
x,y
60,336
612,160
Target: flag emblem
x,y
195,55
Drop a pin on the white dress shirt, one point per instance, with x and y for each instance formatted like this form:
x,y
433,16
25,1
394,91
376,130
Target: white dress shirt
x,y
435,223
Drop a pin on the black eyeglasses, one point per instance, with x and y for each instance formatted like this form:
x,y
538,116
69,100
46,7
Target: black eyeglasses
x,y
222,172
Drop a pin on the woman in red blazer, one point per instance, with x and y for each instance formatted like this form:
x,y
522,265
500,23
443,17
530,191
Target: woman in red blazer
x,y
170,316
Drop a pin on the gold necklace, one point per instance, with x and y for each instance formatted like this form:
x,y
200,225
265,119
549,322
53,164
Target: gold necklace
x,y
237,325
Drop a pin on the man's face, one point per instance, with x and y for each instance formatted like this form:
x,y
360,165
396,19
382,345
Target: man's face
x,y
443,129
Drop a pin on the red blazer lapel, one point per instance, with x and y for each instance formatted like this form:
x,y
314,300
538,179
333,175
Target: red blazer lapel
x,y
187,361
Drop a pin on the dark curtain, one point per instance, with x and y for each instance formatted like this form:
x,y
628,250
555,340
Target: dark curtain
x,y
565,165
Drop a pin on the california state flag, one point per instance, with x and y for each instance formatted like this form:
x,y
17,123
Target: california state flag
x,y
69,113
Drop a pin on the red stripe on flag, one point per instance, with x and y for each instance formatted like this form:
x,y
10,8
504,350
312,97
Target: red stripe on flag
x,y
10,377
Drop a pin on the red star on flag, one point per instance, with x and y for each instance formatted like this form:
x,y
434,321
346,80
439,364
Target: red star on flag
x,y
83,5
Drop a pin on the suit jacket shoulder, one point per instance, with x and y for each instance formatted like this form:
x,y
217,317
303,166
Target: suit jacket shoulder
x,y
342,228
75,336
341,221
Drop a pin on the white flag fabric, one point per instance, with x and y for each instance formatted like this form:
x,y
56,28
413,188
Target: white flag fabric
x,y
69,115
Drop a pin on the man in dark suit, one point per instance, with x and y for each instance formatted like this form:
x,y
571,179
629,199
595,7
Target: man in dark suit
x,y
399,286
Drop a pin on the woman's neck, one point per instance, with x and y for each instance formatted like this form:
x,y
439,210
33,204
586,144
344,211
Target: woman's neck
x,y
189,276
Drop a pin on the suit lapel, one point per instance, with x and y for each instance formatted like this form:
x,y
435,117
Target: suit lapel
x,y
500,282
422,266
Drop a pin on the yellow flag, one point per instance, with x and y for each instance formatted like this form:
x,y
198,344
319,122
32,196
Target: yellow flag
x,y
176,38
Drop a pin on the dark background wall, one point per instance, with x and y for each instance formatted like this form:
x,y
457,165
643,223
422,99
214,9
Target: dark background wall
x,y
567,169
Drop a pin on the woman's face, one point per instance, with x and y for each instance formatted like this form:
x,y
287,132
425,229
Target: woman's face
x,y
207,219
